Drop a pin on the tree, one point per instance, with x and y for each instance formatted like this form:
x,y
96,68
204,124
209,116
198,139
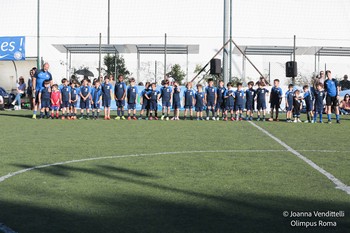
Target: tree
x,y
109,62
177,73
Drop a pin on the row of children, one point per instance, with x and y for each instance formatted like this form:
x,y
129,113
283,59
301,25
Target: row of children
x,y
226,101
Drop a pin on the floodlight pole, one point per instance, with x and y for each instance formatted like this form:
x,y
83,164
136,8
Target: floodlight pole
x,y
226,29
293,78
38,37
165,53
109,20
230,52
99,57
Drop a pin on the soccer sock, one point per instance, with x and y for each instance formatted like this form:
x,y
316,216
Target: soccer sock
x,y
81,114
128,114
57,114
337,117
213,112
93,114
34,112
329,117
308,116
207,112
87,114
118,112
315,117
258,116
52,114
150,114
134,114
98,114
122,111
240,115
263,116
41,114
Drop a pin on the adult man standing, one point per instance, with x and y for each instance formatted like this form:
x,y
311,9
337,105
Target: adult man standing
x,y
38,82
344,84
332,98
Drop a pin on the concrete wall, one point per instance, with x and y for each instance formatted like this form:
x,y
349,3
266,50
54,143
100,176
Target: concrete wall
x,y
8,73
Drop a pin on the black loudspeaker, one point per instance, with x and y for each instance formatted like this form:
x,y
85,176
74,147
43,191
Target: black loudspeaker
x,y
215,66
291,69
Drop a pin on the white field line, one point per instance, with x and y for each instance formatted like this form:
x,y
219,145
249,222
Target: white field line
x,y
339,185
6,229
3,178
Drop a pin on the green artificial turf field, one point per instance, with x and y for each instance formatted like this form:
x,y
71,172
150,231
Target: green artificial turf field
x,y
175,176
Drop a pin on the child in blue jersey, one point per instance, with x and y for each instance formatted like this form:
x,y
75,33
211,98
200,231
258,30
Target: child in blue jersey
x,y
261,94
65,98
166,95
153,97
188,99
319,97
297,106
249,104
275,99
229,101
144,102
332,99
44,99
132,94
289,102
308,98
85,96
220,101
96,95
120,94
73,100
239,101
199,105
210,98
107,92
176,101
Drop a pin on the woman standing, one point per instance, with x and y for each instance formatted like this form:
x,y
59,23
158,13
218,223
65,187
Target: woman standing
x,y
21,86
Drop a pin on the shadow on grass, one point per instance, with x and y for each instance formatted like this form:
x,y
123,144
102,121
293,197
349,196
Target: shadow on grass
x,y
141,213
26,114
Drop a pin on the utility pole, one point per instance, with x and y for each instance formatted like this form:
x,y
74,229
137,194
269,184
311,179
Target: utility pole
x,y
225,39
38,37
165,53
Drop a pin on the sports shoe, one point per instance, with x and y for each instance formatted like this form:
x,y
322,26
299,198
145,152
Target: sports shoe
x,y
312,121
299,121
87,118
162,118
123,118
146,119
156,118
201,119
140,118
217,118
197,118
295,120
207,118
134,118
34,116
232,119
263,119
338,121
321,122
62,118
151,118
240,119
117,118
167,118
213,118
106,118
258,119
225,119
129,118
306,121
329,122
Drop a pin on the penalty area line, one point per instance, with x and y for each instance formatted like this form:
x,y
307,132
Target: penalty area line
x,y
339,185
3,178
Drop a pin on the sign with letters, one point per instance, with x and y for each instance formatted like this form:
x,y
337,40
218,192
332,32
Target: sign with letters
x,y
12,48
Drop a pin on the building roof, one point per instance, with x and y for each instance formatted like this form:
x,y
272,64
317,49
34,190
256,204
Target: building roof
x,y
128,48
